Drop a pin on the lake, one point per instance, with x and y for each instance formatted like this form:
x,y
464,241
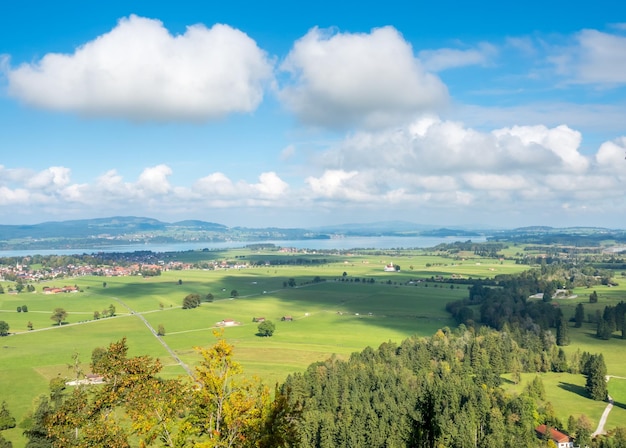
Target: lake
x,y
375,242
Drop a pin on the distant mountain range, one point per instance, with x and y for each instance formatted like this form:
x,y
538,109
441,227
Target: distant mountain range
x,y
120,230
98,232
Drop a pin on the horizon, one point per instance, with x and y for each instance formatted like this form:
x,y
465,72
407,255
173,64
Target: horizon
x,y
256,115
365,224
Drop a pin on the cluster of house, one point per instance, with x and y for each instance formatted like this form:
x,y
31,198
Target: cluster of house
x,y
55,290
24,273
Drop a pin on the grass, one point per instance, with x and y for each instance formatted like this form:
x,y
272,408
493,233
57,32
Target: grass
x,y
336,317
566,393
330,318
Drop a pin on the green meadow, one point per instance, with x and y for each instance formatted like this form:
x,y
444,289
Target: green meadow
x,y
334,317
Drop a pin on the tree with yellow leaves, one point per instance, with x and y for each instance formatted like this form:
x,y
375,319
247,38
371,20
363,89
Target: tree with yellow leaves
x,y
228,410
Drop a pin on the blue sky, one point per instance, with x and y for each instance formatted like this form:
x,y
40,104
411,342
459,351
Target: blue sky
x,y
494,114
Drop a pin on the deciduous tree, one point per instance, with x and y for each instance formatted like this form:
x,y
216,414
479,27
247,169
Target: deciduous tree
x,y
228,410
58,315
191,301
266,328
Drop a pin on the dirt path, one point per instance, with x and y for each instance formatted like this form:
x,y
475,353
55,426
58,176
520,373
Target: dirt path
x,y
159,338
600,429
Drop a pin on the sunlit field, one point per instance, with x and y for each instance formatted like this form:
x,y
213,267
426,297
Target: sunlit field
x,y
339,304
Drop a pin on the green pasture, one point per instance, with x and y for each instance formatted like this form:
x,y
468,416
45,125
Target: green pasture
x,y
334,317
566,393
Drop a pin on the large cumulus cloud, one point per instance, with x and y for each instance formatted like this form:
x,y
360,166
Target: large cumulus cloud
x,y
436,163
140,71
373,79
424,168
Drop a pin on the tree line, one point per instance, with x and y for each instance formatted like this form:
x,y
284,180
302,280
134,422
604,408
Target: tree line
x,y
424,392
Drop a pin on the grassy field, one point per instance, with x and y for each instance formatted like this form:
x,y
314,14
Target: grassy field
x,y
337,316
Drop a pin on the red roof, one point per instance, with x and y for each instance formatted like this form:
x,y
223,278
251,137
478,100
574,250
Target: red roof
x,y
555,434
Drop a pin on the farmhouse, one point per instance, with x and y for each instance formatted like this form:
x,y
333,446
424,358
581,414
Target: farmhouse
x,y
227,323
560,439
91,378
390,268
258,319
287,318
49,290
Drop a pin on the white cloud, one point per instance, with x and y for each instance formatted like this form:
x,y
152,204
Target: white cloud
x,y
593,57
270,186
601,58
428,167
217,186
439,164
611,155
370,79
561,141
154,180
447,58
480,181
16,196
333,183
53,177
141,72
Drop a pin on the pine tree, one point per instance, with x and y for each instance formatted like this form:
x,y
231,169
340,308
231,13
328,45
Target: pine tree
x,y
596,377
6,419
562,337
579,316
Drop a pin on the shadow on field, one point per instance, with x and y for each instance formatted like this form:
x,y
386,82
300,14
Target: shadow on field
x,y
578,390
402,302
391,301
619,405
593,335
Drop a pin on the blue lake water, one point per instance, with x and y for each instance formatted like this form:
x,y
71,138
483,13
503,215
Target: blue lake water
x,y
376,242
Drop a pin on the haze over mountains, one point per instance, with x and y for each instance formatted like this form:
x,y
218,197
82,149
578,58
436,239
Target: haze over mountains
x,y
125,225
122,230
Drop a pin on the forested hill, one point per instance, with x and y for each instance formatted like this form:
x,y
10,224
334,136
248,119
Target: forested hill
x,y
571,236
122,230
114,226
